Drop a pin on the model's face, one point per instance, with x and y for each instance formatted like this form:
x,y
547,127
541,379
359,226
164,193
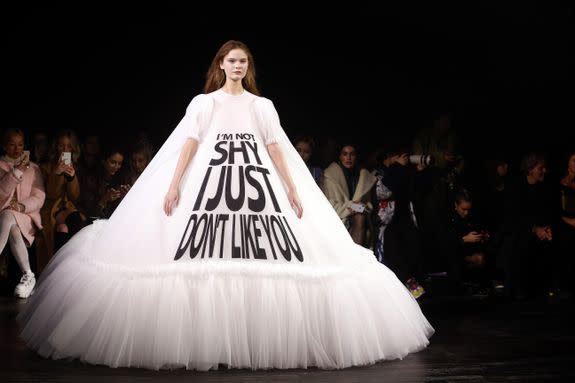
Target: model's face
x,y
64,145
235,65
139,162
538,172
347,157
113,163
304,150
571,165
463,208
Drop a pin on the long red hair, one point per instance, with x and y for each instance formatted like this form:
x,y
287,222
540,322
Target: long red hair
x,y
216,78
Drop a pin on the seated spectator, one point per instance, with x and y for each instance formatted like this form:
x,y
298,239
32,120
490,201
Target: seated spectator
x,y
529,211
492,209
60,216
348,188
466,243
104,189
39,148
21,197
440,141
140,157
90,159
305,146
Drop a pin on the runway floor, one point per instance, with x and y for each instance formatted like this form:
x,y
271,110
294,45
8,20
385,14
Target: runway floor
x,y
476,340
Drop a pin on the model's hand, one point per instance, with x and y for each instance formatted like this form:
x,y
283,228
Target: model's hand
x,y
171,200
295,203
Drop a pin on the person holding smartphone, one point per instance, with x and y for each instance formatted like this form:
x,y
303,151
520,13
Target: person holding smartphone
x,y
21,197
60,215
465,244
103,189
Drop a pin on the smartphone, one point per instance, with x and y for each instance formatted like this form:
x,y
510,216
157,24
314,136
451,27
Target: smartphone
x,y
67,158
357,207
26,157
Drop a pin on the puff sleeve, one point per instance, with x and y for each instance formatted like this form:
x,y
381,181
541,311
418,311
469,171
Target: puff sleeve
x,y
270,126
196,117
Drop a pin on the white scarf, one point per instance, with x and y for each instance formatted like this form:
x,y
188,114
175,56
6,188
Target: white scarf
x,y
11,160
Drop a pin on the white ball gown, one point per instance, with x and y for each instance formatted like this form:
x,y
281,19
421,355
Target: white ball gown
x,y
233,277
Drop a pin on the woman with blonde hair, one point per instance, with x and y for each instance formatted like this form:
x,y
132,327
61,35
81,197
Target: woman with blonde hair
x,y
21,197
60,216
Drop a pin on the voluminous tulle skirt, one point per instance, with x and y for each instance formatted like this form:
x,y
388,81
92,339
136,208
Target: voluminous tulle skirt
x,y
206,314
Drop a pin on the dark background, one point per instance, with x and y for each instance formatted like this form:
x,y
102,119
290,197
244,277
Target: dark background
x,y
504,72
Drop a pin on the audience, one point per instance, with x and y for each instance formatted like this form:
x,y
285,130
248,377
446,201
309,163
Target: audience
x,y
521,230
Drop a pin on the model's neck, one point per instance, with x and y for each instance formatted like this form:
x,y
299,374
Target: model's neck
x,y
234,88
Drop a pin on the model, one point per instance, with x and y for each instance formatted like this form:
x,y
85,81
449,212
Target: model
x,y
225,252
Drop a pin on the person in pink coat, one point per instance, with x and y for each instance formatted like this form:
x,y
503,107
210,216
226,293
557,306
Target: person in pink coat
x,y
21,197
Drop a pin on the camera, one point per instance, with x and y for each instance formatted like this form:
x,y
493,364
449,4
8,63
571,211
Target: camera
x,y
421,159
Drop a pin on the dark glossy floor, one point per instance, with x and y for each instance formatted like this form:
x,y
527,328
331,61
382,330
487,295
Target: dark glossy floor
x,y
476,340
